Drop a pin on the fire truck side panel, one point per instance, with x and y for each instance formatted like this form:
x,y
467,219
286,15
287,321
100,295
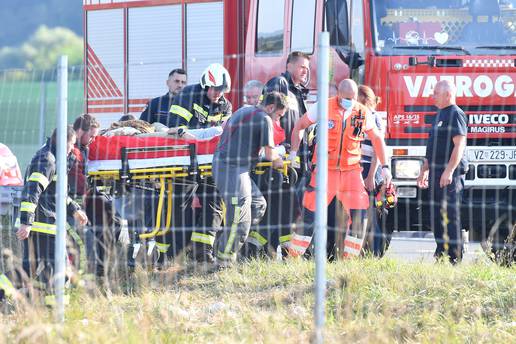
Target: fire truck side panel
x,y
133,45
105,63
480,92
154,49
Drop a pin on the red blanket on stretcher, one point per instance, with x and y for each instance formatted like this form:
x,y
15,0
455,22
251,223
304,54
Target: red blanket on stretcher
x,y
110,148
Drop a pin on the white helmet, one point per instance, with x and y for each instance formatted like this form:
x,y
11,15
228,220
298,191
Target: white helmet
x,y
215,75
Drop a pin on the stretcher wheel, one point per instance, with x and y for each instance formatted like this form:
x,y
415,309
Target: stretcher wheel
x,y
292,176
270,179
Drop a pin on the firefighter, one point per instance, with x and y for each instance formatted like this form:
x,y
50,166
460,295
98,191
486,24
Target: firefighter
x,y
246,132
444,170
347,123
284,205
38,213
157,109
203,105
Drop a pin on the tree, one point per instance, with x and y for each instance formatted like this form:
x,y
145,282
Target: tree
x,y
46,45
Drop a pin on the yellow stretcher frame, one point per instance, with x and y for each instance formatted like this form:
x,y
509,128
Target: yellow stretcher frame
x,y
166,176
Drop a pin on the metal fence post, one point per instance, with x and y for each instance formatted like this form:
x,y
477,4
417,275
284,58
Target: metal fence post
x,y
62,182
321,213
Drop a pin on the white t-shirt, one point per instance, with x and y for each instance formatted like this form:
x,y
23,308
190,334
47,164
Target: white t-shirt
x,y
367,147
369,124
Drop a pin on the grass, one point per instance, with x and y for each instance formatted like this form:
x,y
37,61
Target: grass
x,y
368,300
20,103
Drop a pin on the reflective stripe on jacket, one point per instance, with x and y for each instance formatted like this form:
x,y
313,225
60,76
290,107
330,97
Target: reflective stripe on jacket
x,y
193,109
38,202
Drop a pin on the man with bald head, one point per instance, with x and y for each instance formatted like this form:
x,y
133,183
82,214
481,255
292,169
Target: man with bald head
x,y
443,171
348,121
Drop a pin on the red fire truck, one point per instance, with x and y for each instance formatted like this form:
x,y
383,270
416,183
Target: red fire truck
x,y
400,48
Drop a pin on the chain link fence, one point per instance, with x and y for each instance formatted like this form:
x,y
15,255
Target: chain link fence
x,y
151,208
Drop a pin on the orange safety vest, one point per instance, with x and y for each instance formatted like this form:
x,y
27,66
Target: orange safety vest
x,y
344,136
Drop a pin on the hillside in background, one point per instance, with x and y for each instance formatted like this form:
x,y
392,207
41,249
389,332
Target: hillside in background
x,y
20,19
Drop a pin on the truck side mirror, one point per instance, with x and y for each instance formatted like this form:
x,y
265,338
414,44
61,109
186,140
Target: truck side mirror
x,y
353,60
350,57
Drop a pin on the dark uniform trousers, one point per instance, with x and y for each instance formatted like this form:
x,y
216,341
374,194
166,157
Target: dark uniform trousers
x,y
104,229
245,206
38,259
208,220
445,215
281,213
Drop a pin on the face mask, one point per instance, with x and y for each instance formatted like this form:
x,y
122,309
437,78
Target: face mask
x,y
346,103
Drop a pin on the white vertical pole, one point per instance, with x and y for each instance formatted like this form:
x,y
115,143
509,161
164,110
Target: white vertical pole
x,y
62,182
321,212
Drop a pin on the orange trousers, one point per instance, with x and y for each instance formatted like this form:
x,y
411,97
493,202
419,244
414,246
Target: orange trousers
x,y
347,186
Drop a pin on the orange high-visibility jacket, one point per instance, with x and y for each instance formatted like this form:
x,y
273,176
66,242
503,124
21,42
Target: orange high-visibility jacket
x,y
344,136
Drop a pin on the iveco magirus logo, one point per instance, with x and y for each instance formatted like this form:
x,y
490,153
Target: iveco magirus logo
x,y
489,123
488,118
479,86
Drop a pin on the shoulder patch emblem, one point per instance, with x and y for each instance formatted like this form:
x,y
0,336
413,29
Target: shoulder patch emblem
x,y
331,124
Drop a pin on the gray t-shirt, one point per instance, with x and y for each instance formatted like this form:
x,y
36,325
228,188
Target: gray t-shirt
x,y
248,129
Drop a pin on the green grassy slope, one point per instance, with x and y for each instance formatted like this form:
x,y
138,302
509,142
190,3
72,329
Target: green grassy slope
x,y
369,301
20,114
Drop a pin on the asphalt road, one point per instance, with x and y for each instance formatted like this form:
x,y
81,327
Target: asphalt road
x,y
414,246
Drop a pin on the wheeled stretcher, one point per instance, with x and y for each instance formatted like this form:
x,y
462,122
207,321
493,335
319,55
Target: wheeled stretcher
x,y
124,162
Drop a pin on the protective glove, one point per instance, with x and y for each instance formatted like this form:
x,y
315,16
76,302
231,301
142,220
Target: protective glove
x,y
292,157
386,175
123,238
281,150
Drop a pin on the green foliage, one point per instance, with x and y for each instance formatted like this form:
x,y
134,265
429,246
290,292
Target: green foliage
x,y
42,50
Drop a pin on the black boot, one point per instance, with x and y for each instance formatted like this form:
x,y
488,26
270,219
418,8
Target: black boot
x,y
202,253
250,251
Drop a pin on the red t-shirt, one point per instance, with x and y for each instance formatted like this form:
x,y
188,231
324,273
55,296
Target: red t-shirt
x,y
278,132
